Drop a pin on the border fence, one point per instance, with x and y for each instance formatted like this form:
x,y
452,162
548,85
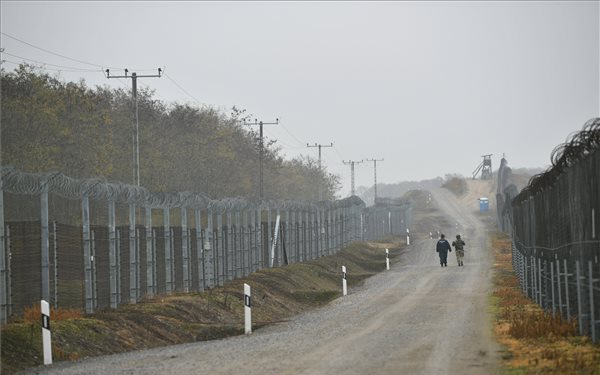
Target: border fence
x,y
89,244
554,223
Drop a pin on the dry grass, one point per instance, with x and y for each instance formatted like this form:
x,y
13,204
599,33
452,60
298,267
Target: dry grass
x,y
33,314
278,293
536,341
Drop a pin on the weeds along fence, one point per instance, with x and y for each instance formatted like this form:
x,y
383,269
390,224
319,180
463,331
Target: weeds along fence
x,y
554,224
89,244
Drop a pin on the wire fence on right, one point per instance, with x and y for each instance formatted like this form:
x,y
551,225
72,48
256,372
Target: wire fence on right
x,y
554,223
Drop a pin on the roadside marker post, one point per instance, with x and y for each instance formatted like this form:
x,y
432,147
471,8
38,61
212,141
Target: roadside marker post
x,y
247,310
407,237
344,282
387,259
46,335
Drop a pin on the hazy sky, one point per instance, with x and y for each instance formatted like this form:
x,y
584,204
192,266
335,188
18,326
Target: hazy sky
x,y
428,86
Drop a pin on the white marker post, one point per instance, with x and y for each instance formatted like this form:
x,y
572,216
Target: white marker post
x,y
344,283
387,259
46,336
407,237
274,242
247,310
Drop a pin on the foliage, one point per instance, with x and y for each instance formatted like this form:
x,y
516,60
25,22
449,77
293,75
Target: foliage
x,y
457,185
51,125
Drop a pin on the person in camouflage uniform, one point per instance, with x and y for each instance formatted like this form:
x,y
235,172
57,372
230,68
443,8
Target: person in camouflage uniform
x,y
459,245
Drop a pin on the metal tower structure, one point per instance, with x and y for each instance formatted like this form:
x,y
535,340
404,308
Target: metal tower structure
x,y
485,167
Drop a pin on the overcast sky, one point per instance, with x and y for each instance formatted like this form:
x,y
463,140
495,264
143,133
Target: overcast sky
x,y
427,86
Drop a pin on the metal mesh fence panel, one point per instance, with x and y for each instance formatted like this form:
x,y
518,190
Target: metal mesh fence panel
x,y
90,244
554,224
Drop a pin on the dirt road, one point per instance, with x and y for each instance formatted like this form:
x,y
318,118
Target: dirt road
x,y
417,318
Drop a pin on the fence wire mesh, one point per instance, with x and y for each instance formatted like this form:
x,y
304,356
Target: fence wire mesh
x,y
554,223
90,244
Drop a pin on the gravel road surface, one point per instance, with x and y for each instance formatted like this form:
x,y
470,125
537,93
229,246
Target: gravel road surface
x,y
417,318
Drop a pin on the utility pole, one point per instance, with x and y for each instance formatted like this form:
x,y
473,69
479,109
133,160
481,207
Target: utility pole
x,y
261,150
375,175
351,163
136,132
320,168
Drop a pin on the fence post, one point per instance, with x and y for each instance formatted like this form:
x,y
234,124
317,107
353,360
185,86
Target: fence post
x,y
168,251
209,251
558,287
94,276
274,242
566,274
87,256
552,286
238,249
593,320
245,243
269,236
579,302
219,251
133,275
592,312
229,248
539,283
150,281
45,243
252,249
525,275
185,251
112,254
3,253
534,279
199,252
55,251
329,233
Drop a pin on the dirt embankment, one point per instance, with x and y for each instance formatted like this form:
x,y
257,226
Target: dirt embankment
x,y
278,294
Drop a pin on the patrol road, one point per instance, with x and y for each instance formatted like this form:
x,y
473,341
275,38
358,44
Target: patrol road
x,y
417,318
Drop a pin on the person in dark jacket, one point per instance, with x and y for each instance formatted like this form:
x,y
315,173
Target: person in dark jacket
x,y
442,248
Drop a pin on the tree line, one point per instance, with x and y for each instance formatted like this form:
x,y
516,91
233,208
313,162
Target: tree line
x,y
51,125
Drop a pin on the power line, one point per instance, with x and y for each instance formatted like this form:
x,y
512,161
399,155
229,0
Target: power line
x,y
338,154
66,57
52,53
292,135
182,89
72,68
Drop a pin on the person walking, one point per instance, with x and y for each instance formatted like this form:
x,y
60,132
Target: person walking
x,y
442,248
459,246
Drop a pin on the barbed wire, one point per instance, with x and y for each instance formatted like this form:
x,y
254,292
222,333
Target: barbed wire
x,y
563,157
19,182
